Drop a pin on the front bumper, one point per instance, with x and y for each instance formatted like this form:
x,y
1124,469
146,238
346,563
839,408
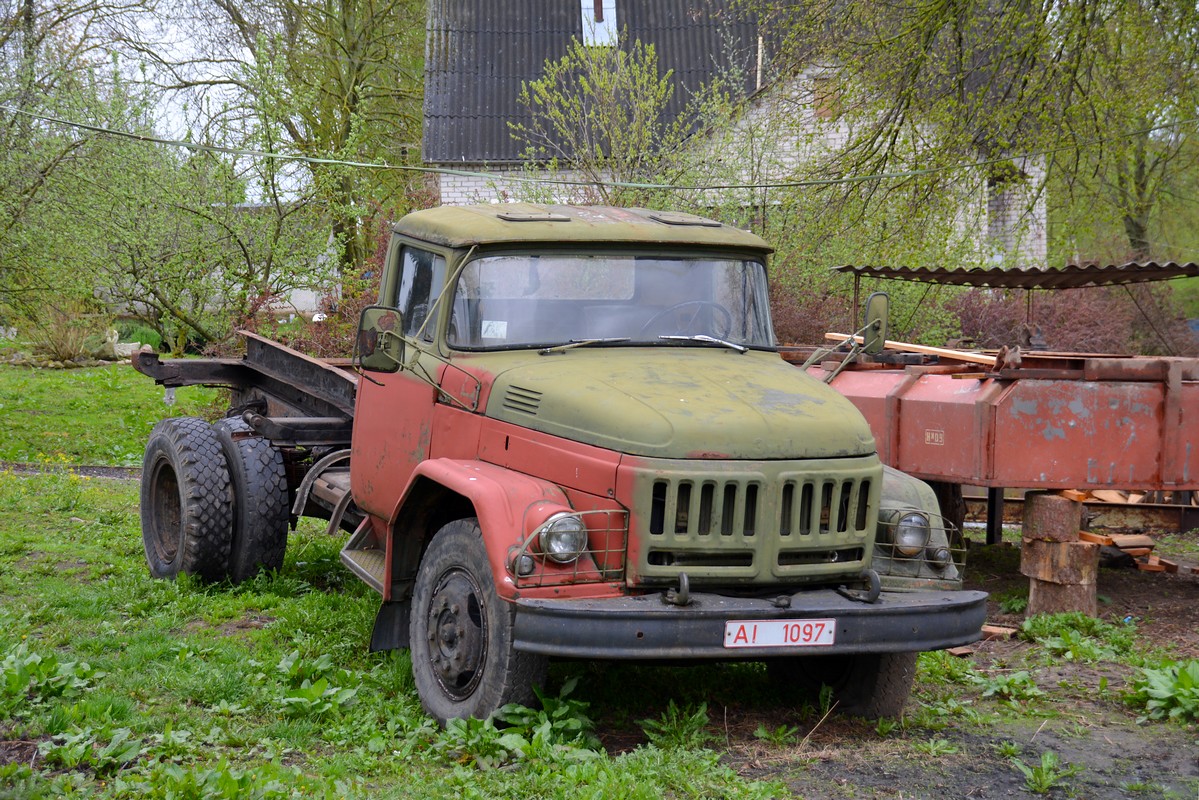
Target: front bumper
x,y
645,627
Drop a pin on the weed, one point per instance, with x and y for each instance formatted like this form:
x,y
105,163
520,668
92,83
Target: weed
x,y
1048,775
885,726
1078,637
1013,687
561,720
315,699
1008,749
936,747
679,728
941,667
1144,787
481,743
781,736
1170,691
1013,601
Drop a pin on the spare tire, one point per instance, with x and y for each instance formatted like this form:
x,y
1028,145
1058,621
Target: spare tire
x,y
186,502
261,512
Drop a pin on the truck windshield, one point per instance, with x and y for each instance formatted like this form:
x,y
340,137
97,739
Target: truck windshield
x,y
515,301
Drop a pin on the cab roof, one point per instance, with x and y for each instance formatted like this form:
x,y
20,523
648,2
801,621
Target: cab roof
x,y
466,226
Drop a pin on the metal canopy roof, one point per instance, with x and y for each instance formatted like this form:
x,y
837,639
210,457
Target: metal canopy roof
x,y
1072,276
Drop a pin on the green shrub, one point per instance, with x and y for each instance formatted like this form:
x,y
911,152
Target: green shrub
x,y
1168,692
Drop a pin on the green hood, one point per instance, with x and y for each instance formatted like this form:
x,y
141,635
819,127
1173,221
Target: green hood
x,y
680,403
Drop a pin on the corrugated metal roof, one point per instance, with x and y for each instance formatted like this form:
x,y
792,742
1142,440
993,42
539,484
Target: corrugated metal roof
x,y
1071,276
478,53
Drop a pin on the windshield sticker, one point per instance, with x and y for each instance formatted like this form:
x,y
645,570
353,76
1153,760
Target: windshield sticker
x,y
495,329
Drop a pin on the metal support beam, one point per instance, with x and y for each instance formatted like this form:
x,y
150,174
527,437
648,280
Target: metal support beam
x,y
994,515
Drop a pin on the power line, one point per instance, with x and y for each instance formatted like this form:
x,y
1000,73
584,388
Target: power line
x,y
511,178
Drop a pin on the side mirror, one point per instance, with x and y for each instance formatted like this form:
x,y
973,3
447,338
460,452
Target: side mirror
x,y
878,314
380,345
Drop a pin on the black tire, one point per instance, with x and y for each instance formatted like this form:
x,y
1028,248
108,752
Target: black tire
x,y
261,512
870,685
186,502
461,632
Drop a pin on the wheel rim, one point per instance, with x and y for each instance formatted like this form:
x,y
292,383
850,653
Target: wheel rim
x,y
167,519
457,634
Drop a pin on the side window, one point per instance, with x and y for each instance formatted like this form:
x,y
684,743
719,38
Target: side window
x,y
422,275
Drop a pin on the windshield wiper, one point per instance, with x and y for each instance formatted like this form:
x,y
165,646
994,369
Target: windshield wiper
x,y
706,339
561,348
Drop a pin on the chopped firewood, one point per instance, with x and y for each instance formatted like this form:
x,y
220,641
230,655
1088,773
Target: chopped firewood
x,y
1137,552
1145,566
992,632
1195,570
1110,495
1125,541
1136,497
1097,538
1072,494
1171,566
960,652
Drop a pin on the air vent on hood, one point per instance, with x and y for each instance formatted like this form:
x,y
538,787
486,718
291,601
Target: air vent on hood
x,y
524,401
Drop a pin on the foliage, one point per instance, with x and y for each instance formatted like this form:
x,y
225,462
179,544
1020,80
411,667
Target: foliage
x,y
1048,775
1011,686
678,728
1170,691
604,111
936,747
780,736
1078,637
97,415
1014,601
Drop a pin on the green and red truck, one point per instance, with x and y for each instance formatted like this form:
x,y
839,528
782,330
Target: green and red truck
x,y
567,432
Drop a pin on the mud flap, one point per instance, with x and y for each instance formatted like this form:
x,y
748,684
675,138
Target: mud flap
x,y
391,626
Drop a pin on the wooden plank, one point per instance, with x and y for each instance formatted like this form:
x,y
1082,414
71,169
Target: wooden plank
x,y
1171,566
1127,540
1144,566
1096,538
1072,494
1136,552
960,652
908,347
1110,495
992,632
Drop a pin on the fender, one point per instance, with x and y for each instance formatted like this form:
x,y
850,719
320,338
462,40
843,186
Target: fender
x,y
508,505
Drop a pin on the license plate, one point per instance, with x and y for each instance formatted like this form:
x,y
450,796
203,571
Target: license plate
x,y
779,633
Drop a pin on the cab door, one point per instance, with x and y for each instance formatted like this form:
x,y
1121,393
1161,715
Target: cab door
x,y
393,420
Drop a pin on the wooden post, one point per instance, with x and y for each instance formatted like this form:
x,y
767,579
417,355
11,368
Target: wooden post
x,y
1062,570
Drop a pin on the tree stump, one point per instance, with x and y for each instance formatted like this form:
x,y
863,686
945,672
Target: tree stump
x,y
1063,571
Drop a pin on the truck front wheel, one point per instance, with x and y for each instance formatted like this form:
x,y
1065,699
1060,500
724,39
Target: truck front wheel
x,y
868,685
186,503
463,662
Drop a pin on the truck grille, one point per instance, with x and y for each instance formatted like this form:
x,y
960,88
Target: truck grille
x,y
771,522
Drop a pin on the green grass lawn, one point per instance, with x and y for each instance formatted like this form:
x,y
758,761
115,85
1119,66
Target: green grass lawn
x,y
116,685
98,415
113,684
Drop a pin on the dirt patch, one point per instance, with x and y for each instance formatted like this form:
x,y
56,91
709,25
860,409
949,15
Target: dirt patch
x,y
233,627
17,752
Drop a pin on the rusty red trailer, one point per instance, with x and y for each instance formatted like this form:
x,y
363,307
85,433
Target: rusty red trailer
x,y
1057,421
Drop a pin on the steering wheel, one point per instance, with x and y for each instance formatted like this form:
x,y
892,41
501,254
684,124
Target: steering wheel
x,y
722,320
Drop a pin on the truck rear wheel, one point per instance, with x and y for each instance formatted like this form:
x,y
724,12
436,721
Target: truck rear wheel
x,y
260,507
186,503
868,685
463,662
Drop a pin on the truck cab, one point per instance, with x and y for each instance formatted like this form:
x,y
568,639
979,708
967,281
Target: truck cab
x,y
574,438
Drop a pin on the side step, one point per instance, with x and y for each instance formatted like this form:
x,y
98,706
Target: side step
x,y
364,559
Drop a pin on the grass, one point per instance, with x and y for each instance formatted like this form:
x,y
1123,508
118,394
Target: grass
x,y
120,685
100,415
115,685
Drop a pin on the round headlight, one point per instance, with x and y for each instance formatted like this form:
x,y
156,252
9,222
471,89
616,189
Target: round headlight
x,y
911,534
563,538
